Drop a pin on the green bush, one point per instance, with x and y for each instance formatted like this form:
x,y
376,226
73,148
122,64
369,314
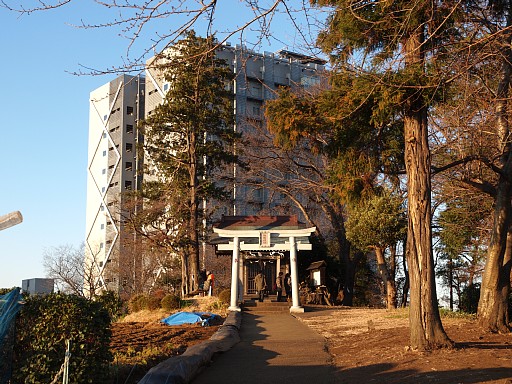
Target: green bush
x,y
139,302
170,302
42,328
225,296
469,299
136,303
112,303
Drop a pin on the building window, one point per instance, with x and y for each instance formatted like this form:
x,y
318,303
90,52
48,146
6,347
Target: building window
x,y
129,111
101,245
104,153
103,171
129,147
102,189
166,86
256,111
128,166
129,128
111,166
102,207
105,117
102,226
128,184
104,135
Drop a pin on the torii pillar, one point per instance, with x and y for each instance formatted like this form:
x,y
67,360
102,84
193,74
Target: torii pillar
x,y
235,269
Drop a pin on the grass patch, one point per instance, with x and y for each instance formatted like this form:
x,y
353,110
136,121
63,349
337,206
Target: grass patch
x,y
398,313
448,314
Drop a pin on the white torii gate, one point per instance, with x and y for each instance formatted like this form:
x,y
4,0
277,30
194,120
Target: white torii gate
x,y
265,243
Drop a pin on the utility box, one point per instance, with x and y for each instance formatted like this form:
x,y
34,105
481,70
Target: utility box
x,y
317,273
37,286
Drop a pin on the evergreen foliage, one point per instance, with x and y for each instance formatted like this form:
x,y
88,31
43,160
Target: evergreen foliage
x,y
189,141
43,326
379,221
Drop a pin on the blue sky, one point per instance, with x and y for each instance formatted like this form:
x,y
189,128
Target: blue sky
x,y
43,156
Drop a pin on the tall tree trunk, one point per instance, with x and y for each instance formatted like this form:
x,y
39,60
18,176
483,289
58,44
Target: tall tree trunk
x,y
450,282
405,288
193,256
492,307
388,281
184,275
350,278
426,329
350,263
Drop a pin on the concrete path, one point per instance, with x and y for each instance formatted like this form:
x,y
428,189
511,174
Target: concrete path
x,y
273,348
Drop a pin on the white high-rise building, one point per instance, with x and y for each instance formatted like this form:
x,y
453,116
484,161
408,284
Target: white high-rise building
x,y
113,163
113,168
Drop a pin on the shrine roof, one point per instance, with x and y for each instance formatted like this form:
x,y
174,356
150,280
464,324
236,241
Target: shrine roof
x,y
259,222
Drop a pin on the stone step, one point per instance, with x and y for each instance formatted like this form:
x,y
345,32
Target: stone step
x,y
268,305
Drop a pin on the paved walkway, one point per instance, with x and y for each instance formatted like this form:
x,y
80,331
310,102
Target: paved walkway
x,y
273,348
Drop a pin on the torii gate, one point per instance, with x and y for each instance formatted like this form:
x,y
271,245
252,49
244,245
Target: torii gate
x,y
263,234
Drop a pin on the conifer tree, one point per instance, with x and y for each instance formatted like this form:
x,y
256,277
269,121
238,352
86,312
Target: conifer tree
x,y
188,140
380,52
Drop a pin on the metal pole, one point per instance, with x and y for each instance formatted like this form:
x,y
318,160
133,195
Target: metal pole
x,y
65,375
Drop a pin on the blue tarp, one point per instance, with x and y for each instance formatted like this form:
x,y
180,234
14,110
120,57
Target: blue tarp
x,y
190,318
10,304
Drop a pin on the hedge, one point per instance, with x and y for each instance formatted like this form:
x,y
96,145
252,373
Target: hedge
x,y
42,328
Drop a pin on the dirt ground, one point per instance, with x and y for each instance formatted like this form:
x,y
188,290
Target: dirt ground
x,y
138,346
367,346
370,346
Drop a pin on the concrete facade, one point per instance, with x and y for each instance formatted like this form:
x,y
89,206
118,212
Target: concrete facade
x,y
258,76
112,169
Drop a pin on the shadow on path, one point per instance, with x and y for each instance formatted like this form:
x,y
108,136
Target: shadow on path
x,y
274,348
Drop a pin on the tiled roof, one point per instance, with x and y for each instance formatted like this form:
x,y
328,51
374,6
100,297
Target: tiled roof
x,y
259,222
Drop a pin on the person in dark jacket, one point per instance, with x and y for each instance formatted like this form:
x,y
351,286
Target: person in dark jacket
x,y
288,287
279,286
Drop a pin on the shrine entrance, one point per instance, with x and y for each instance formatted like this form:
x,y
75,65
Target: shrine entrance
x,y
267,243
269,264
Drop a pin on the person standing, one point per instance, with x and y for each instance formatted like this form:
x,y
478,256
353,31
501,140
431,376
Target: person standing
x,y
210,279
261,285
288,287
279,286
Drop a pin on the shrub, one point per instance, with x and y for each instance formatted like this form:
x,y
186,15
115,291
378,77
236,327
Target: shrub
x,y
136,303
112,303
152,303
469,299
42,328
170,302
225,296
